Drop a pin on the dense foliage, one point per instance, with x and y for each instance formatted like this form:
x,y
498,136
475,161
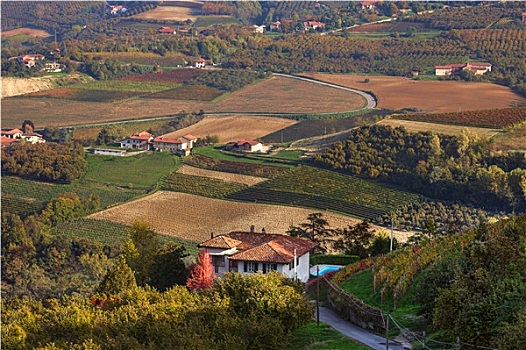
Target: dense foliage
x,y
442,167
44,161
479,292
240,312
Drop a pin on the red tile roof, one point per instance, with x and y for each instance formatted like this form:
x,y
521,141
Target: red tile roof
x,y
11,131
6,141
250,142
260,247
221,242
168,140
143,136
190,137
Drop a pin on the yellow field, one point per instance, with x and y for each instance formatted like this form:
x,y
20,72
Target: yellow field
x,y
37,33
193,217
229,128
428,96
413,126
228,177
170,13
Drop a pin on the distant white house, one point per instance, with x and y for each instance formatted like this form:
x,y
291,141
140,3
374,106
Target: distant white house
x,y
258,29
275,26
142,140
109,152
33,138
17,134
477,68
182,145
245,146
251,252
200,63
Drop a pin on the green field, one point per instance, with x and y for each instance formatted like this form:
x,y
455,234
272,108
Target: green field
x,y
25,197
201,186
143,171
126,85
110,233
319,182
207,21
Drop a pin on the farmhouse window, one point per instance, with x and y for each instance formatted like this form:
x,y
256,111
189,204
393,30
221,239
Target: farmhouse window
x,y
269,267
250,266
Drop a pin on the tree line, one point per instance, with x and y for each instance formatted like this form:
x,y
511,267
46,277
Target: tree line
x,y
51,162
456,168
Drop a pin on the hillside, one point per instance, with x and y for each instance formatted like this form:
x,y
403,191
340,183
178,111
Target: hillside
x,y
470,287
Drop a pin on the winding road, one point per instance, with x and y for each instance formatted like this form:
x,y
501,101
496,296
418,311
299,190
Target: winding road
x,y
371,101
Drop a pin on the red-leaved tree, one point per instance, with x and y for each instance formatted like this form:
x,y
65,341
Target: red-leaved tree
x,y
202,275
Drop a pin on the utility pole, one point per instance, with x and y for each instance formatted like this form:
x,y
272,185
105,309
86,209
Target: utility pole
x,y
318,295
392,236
387,332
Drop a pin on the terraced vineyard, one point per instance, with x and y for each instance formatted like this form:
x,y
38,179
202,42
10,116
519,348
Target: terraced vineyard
x,y
110,233
247,167
326,190
25,197
200,185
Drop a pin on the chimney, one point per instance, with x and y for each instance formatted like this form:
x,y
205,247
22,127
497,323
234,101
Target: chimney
x,y
211,234
252,227
263,231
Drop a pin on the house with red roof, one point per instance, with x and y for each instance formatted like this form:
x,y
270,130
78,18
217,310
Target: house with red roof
x,y
166,31
524,17
251,252
275,26
200,63
6,141
142,140
11,133
179,145
245,146
33,137
307,25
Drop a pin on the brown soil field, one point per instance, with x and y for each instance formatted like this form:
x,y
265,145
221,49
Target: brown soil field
x,y
428,96
37,33
285,95
271,95
439,128
193,217
228,128
229,177
170,13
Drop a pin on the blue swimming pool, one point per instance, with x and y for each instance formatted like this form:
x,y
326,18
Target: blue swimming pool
x,y
325,269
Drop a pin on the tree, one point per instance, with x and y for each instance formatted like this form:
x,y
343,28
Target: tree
x,y
316,230
169,268
28,127
202,275
117,279
141,250
355,240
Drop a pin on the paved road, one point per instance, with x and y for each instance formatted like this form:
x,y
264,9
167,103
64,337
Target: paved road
x,y
371,102
346,328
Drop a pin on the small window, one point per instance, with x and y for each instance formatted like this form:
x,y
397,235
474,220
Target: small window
x,y
252,267
270,267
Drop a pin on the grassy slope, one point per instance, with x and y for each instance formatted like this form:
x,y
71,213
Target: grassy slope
x,y
142,171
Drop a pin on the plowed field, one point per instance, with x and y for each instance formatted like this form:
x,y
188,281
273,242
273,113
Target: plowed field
x,y
429,96
170,13
229,128
37,33
194,218
229,177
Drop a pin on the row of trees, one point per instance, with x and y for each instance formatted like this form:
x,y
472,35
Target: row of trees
x,y
442,167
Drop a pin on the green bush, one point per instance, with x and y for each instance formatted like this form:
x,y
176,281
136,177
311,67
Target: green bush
x,y
334,259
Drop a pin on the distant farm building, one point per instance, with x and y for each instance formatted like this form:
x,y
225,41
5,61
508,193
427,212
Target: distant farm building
x,y
477,68
245,146
109,152
53,67
275,26
524,17
182,145
307,25
166,31
15,135
142,140
258,29
6,141
200,63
